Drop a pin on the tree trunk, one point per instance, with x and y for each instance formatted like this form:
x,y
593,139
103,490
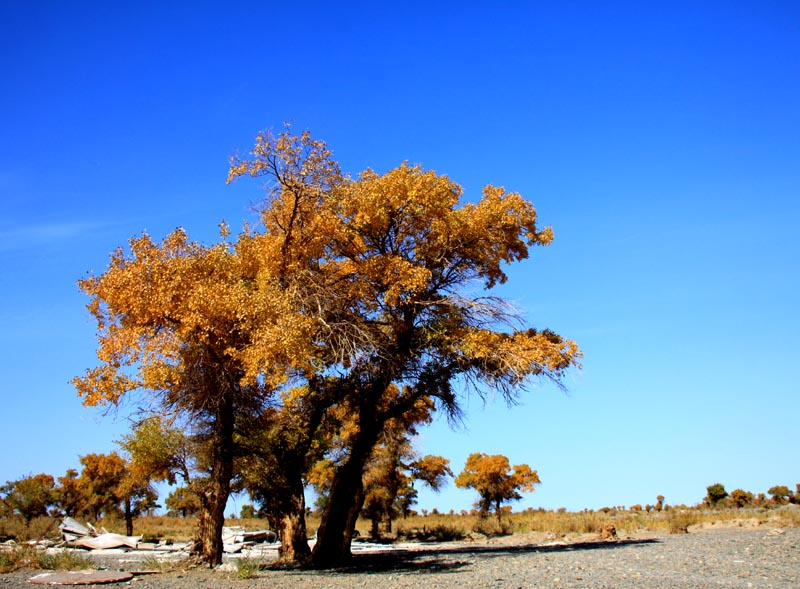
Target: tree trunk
x,y
211,522
128,517
214,498
292,531
339,518
386,524
347,491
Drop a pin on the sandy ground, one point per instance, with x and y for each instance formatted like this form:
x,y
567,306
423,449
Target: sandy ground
x,y
736,555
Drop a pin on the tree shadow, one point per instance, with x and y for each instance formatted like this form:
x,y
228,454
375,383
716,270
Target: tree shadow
x,y
444,559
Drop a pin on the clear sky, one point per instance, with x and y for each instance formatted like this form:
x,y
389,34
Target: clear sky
x,y
661,140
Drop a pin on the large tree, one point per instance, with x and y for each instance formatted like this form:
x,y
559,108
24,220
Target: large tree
x,y
390,262
168,326
352,295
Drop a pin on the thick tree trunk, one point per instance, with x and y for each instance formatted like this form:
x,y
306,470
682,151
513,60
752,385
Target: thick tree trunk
x,y
347,491
214,498
294,541
344,503
292,532
211,522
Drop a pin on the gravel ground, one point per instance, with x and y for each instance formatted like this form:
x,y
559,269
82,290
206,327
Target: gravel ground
x,y
713,559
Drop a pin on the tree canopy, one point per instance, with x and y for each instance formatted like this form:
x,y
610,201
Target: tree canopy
x,y
29,497
494,480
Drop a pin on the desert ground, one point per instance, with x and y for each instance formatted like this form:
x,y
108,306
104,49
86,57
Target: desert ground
x,y
707,557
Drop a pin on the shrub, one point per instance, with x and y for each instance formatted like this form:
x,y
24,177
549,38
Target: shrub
x,y
493,527
679,521
790,517
15,527
247,568
435,533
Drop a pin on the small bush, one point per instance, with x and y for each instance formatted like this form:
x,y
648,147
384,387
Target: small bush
x,y
679,522
37,529
152,563
493,527
247,568
435,533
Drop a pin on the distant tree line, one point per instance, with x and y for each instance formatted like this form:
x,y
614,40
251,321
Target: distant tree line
x,y
718,497
105,487
111,486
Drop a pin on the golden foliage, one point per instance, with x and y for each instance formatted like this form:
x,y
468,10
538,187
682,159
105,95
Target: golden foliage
x,y
494,480
343,269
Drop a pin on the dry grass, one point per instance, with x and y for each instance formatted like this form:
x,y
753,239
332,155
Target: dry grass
x,y
789,517
37,529
25,556
436,527
674,520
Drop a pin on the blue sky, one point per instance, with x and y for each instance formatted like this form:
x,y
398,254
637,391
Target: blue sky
x,y
660,140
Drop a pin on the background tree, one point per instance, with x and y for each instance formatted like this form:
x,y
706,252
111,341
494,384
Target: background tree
x,y
430,470
160,450
780,494
714,494
183,502
29,497
494,480
390,474
137,496
100,481
110,488
740,498
70,498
